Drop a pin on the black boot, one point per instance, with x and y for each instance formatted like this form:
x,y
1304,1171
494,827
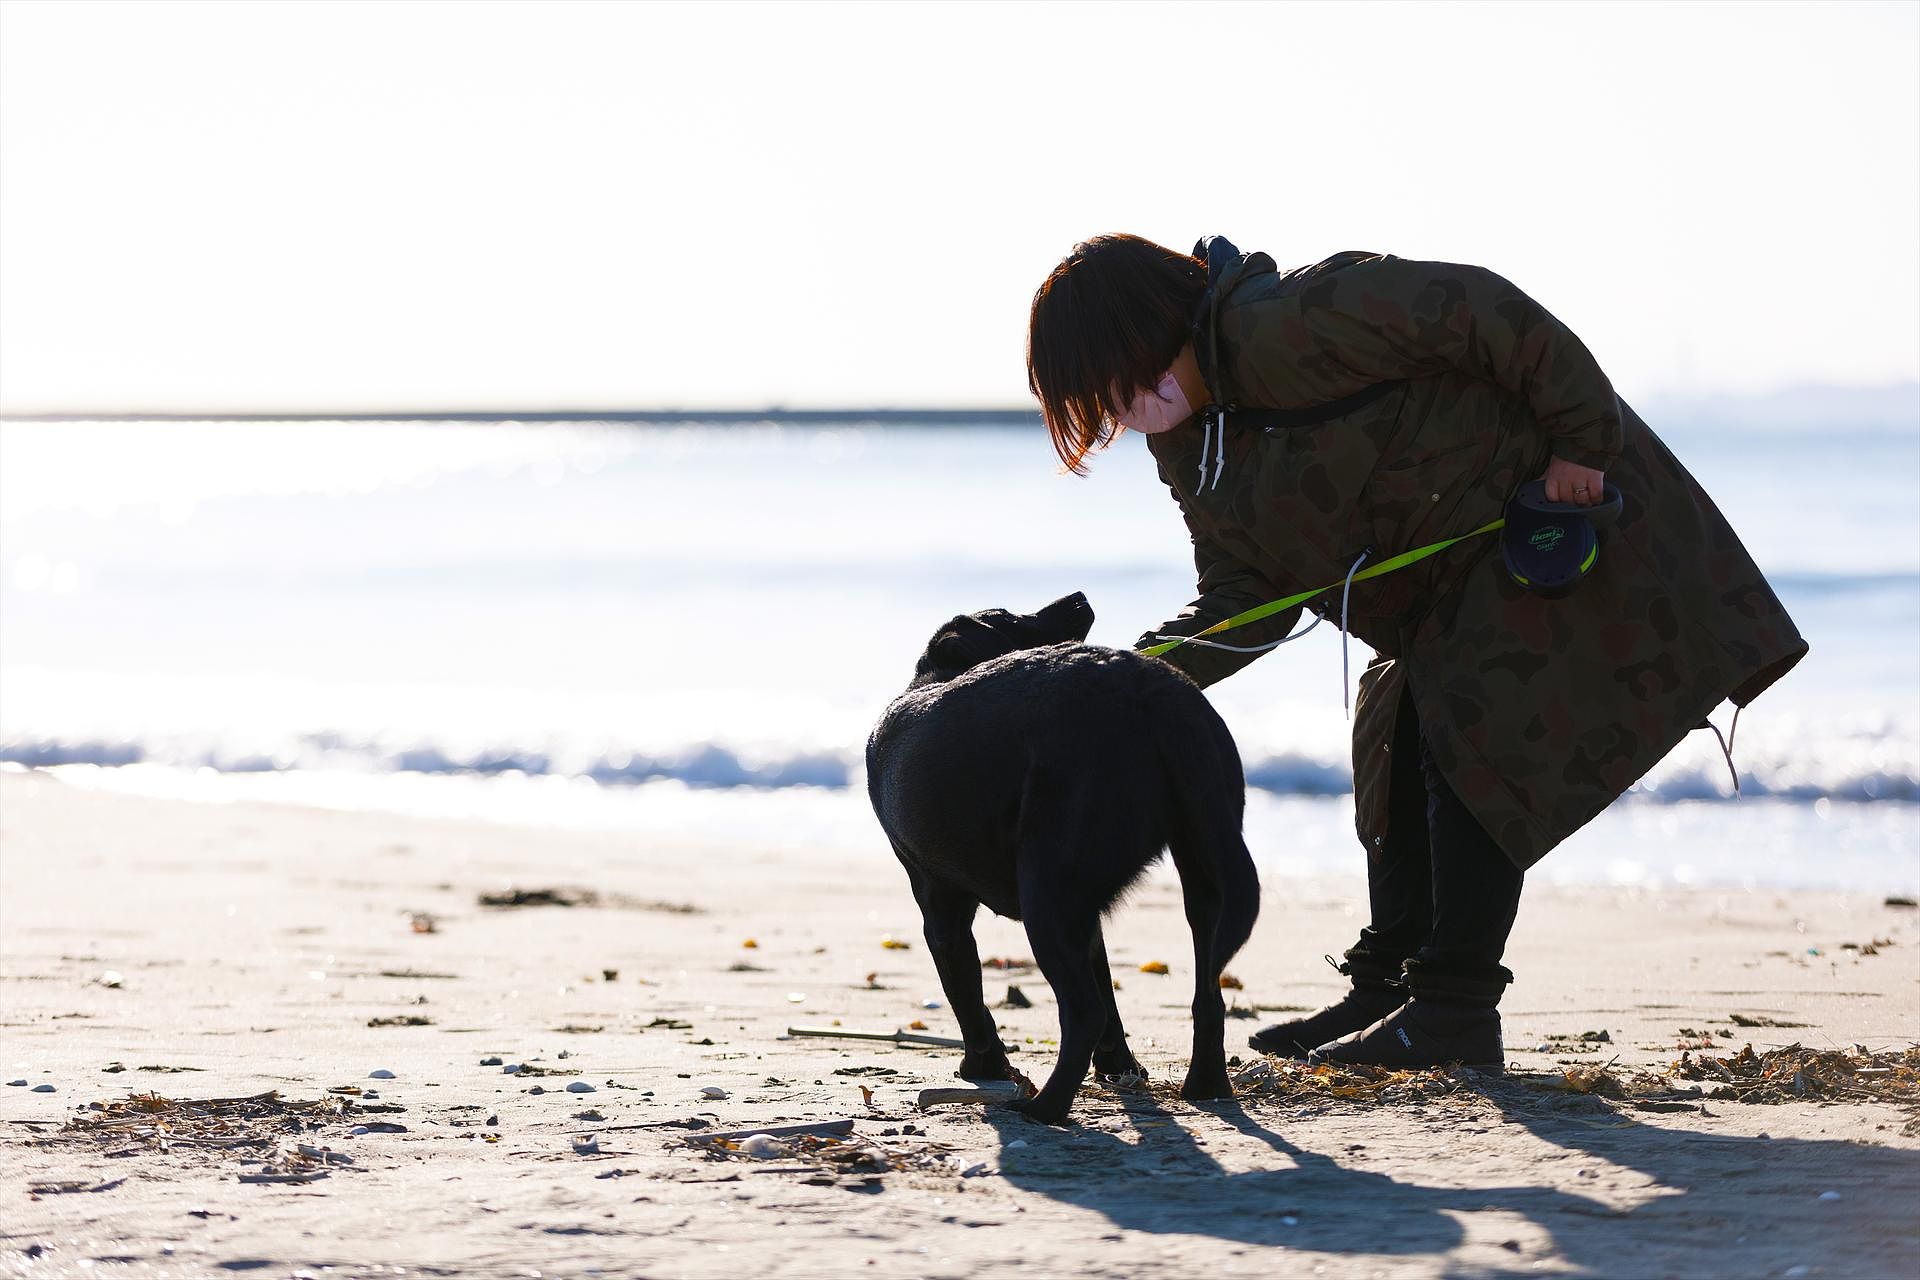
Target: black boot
x,y
1376,992
1449,1019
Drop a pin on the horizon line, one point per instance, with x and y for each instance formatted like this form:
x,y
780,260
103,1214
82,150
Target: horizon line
x,y
967,416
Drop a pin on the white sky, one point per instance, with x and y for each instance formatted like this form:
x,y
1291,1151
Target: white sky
x,y
337,206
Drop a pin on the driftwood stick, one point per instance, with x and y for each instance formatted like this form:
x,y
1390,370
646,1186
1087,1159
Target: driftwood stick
x,y
986,1091
896,1037
822,1128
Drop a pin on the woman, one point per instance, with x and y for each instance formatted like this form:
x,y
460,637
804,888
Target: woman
x,y
1311,421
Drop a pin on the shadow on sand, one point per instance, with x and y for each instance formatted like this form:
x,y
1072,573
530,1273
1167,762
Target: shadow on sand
x,y
1717,1205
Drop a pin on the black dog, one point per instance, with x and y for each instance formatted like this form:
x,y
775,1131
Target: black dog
x,y
1041,776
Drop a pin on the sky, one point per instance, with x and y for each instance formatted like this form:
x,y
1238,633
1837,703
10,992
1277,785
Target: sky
x,y
322,207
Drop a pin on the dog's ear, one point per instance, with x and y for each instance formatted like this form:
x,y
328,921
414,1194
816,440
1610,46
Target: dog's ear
x,y
958,644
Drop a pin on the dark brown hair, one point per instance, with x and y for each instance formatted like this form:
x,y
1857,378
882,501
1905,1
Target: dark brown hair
x,y
1107,321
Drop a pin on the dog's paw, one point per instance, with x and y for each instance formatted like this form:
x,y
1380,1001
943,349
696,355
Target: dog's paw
x,y
1206,1086
986,1067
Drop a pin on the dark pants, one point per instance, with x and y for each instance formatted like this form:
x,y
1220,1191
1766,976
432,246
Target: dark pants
x,y
1443,894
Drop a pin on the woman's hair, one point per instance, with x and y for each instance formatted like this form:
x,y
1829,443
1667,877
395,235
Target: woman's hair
x,y
1106,322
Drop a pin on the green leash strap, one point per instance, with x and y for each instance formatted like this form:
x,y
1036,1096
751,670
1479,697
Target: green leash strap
x,y
1258,612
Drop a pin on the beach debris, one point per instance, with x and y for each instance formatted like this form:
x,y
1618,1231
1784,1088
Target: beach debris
x,y
1016,999
17,1084
510,1068
669,1024
930,1004
865,1071
422,922
43,1088
70,1186
220,1127
1828,1195
1797,1073
401,1020
1899,900
830,1153
987,1091
113,1068
1298,1082
588,1114
580,1086
750,944
1230,983
111,980
892,943
866,1095
609,975
897,1037
558,897
1007,965
324,1155
420,974
1155,966
303,1175
715,1092
796,997
916,1025
586,1145
491,1060
747,966
1746,1020
380,1073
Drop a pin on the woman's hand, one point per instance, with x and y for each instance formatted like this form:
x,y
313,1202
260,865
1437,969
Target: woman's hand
x,y
1571,482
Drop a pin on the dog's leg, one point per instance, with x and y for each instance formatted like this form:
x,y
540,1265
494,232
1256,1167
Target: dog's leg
x,y
1221,916
1111,1056
1207,1072
1061,932
947,915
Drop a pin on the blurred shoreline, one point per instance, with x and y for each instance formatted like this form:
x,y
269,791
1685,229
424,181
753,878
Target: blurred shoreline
x,y
1867,405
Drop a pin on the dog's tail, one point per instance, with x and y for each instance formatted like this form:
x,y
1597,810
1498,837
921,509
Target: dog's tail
x,y
1207,803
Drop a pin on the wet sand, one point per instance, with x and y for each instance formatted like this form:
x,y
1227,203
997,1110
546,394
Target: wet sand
x,y
221,951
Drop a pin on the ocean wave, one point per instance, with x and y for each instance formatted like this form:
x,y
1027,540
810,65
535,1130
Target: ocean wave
x,y
1865,771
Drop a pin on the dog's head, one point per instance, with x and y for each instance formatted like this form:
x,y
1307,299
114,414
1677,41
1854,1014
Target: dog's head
x,y
972,638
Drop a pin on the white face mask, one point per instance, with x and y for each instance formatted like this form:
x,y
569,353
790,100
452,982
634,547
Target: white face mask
x,y
1158,408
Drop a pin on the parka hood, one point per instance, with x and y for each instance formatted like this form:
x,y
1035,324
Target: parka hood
x,y
1227,270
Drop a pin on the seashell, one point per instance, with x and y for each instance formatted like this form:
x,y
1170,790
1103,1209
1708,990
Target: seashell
x,y
381,1074
579,1086
762,1147
716,1092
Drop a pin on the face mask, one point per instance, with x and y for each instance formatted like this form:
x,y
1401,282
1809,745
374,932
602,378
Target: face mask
x,y
1159,408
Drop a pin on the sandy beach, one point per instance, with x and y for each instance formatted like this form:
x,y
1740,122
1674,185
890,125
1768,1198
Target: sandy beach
x,y
200,951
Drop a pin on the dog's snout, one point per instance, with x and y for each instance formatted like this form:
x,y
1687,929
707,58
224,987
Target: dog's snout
x,y
1073,606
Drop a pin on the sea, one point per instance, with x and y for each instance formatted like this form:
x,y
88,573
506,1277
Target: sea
x,y
684,630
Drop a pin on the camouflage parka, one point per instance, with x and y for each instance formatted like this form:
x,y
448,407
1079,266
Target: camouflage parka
x,y
1429,392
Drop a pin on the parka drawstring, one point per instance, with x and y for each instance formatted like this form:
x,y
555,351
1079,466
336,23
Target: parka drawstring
x,y
1219,449
1213,432
1346,593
